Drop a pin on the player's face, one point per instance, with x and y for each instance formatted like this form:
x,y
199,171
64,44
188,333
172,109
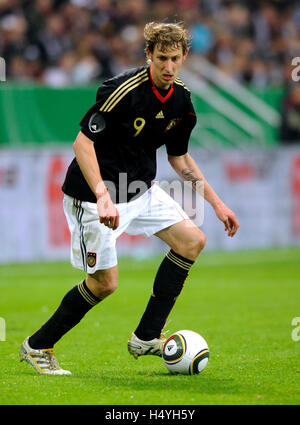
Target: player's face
x,y
165,65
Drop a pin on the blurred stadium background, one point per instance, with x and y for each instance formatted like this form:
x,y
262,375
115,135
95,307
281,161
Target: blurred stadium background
x,y
240,73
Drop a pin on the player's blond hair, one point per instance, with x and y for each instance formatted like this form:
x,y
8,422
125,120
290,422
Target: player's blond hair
x,y
166,35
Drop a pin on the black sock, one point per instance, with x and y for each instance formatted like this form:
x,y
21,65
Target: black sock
x,y
168,284
75,304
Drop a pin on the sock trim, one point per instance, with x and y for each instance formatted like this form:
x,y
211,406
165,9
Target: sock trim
x,y
182,258
184,264
86,294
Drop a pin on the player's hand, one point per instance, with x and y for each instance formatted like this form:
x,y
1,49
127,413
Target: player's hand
x,y
107,211
229,219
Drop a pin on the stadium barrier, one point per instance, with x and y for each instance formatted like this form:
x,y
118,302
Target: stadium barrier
x,y
261,186
35,115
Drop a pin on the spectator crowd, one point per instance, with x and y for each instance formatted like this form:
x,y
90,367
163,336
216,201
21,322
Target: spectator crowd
x,y
60,42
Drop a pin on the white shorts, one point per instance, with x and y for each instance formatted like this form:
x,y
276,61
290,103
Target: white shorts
x,y
93,245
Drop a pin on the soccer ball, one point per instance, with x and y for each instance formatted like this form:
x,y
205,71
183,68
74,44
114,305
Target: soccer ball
x,y
185,352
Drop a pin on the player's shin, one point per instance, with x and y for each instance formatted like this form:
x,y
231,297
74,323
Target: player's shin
x,y
168,284
75,304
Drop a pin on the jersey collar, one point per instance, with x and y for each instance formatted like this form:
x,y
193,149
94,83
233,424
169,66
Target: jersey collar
x,y
156,92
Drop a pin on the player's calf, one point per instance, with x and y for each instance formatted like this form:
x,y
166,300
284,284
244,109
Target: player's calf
x,y
73,307
168,284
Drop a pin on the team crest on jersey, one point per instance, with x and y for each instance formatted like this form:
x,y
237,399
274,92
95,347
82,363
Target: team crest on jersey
x,y
91,259
172,123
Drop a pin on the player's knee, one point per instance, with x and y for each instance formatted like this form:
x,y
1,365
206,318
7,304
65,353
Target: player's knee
x,y
107,288
102,285
194,245
201,242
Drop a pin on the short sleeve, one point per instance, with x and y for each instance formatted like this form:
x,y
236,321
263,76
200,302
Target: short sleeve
x,y
99,119
179,135
93,124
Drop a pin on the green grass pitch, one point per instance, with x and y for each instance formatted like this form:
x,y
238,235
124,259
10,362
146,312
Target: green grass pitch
x,y
243,304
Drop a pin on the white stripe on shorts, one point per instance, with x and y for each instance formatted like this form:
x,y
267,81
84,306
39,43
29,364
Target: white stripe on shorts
x,y
79,214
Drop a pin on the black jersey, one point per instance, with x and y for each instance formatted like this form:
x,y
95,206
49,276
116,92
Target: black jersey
x,y
130,120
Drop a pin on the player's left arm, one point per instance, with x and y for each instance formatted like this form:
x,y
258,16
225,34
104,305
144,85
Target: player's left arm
x,y
187,169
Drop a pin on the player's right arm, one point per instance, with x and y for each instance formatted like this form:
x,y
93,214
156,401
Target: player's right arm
x,y
87,161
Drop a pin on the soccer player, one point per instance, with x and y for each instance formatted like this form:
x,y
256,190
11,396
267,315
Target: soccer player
x,y
109,189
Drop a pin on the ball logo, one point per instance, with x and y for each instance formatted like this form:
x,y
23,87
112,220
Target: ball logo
x,y
171,348
174,349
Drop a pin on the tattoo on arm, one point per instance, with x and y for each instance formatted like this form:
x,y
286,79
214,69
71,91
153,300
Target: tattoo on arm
x,y
188,174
